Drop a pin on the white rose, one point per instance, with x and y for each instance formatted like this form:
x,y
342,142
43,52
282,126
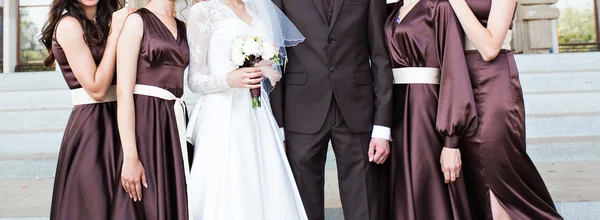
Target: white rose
x,y
237,44
250,47
268,50
238,58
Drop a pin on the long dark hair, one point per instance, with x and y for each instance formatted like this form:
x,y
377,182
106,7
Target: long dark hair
x,y
95,33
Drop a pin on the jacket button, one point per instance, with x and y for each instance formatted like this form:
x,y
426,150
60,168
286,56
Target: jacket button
x,y
332,69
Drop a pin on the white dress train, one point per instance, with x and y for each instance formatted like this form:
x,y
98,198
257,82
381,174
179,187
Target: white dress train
x,y
240,170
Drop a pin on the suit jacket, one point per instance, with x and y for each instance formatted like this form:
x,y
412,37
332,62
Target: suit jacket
x,y
346,59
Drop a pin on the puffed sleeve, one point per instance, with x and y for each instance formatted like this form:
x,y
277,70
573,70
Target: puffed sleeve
x,y
457,115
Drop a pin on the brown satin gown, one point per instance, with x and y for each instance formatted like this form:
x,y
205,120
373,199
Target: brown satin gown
x,y
161,63
428,116
495,157
90,147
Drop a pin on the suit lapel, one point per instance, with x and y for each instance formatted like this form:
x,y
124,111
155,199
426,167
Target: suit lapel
x,y
319,6
337,7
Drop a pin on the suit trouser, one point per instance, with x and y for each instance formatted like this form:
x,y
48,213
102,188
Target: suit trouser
x,y
359,180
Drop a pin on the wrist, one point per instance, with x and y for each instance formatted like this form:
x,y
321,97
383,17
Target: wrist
x,y
130,157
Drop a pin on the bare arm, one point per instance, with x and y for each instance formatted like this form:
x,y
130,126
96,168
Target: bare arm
x,y
94,79
127,55
129,47
488,41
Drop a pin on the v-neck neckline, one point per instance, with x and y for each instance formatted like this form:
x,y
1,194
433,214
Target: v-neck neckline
x,y
407,13
175,38
237,16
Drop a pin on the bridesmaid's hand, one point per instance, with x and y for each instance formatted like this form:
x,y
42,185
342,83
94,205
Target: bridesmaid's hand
x,y
249,77
451,164
118,19
133,176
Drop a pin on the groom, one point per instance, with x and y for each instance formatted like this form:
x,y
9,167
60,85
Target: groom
x,y
338,86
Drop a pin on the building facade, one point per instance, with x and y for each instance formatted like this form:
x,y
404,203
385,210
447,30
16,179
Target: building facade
x,y
538,28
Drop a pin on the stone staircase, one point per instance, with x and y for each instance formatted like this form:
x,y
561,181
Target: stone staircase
x,y
562,95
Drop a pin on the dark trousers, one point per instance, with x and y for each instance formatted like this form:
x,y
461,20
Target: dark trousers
x,y
359,180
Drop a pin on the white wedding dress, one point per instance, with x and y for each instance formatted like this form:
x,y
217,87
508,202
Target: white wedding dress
x,y
240,170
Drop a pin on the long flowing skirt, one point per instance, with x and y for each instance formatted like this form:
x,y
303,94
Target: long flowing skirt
x,y
87,164
495,158
418,188
158,148
240,169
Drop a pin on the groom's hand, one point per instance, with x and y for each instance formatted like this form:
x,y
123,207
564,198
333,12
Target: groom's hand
x,y
379,149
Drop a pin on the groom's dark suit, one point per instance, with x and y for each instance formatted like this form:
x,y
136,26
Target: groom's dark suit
x,y
337,86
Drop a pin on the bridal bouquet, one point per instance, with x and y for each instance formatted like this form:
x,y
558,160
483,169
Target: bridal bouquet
x,y
251,51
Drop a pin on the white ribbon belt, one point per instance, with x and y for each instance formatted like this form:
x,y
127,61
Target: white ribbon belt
x,y
505,45
416,75
179,118
81,97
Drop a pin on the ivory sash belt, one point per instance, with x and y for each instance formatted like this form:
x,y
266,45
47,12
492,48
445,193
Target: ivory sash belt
x,y
416,75
81,97
505,45
179,118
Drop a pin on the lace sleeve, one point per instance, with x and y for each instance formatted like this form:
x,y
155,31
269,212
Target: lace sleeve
x,y
199,78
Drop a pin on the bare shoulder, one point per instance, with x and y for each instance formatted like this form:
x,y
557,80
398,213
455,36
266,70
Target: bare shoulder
x,y
69,30
134,20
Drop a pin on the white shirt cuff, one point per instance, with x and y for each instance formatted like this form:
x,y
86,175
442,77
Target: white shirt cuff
x,y
381,132
282,133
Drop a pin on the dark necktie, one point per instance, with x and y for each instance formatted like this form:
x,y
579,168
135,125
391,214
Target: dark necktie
x,y
328,6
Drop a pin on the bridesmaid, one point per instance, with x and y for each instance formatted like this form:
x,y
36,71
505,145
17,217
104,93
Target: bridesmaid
x,y
503,182
433,111
81,35
152,56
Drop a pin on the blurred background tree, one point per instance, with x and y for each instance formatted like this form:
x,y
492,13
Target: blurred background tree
x,y
577,29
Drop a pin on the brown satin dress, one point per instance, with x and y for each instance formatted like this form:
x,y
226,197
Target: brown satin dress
x,y
428,116
495,157
161,63
90,147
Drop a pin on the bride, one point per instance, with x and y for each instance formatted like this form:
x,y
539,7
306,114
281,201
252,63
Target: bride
x,y
240,170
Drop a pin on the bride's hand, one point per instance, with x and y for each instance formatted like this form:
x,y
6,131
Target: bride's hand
x,y
248,77
133,175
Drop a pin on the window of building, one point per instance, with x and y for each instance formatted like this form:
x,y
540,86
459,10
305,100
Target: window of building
x,y
31,53
577,25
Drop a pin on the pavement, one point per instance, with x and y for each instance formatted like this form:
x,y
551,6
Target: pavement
x,y
570,183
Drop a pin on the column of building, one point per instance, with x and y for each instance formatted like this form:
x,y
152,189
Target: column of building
x,y
534,30
10,35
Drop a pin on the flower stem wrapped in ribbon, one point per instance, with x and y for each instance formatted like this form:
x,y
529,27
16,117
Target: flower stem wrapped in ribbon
x,y
251,51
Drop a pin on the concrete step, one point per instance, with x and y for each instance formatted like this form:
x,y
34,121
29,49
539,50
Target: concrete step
x,y
31,81
564,62
562,103
569,125
555,82
31,114
47,99
32,143
34,120
564,149
573,186
551,138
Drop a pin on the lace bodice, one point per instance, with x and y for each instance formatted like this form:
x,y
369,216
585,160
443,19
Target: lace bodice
x,y
212,27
